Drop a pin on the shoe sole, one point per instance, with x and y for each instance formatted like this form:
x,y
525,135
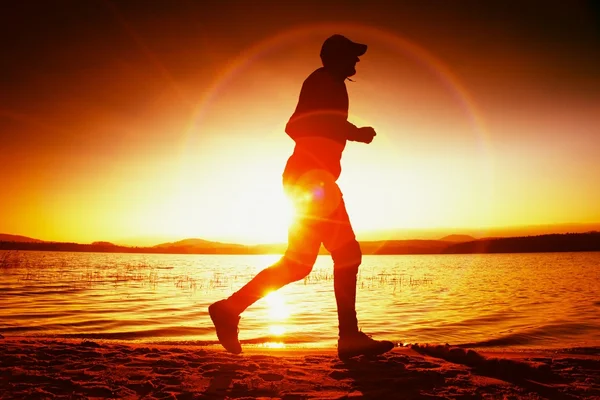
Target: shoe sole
x,y
347,355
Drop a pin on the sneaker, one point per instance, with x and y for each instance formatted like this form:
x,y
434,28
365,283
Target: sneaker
x,y
361,344
226,324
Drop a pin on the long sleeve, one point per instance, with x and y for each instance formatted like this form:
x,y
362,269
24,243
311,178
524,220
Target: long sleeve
x,y
353,133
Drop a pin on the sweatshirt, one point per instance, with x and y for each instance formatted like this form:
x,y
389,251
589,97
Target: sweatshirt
x,y
319,126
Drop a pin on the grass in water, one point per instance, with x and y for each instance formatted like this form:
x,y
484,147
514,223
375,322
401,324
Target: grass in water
x,y
146,274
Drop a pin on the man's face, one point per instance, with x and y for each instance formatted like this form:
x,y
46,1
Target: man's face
x,y
348,65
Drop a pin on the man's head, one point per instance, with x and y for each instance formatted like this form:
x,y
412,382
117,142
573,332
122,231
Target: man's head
x,y
340,55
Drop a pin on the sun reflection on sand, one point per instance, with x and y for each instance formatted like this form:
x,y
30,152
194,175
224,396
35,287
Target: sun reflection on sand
x,y
273,345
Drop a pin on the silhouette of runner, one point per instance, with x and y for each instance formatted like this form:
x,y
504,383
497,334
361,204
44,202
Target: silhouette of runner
x,y
320,129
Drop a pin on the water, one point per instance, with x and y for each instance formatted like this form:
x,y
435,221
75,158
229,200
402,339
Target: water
x,y
549,300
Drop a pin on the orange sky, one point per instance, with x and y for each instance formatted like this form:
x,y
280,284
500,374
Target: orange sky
x,y
128,120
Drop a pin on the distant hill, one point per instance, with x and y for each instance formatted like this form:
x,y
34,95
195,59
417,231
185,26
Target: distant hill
x,y
403,247
196,242
543,243
565,242
200,245
4,237
458,238
508,231
103,244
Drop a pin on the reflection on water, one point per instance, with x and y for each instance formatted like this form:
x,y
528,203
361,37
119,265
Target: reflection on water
x,y
277,314
517,300
277,309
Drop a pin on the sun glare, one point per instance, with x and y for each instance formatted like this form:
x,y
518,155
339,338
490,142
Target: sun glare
x,y
277,309
277,330
262,216
252,210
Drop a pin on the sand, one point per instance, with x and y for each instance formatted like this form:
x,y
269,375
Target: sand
x,y
36,368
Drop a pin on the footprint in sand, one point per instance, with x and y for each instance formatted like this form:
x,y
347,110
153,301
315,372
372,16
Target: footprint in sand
x,y
269,377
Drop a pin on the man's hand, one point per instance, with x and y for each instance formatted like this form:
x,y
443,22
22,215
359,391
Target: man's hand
x,y
365,134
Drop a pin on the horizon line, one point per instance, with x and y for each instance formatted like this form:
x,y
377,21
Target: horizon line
x,y
368,236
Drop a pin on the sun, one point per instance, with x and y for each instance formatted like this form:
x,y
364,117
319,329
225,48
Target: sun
x,y
262,215
253,211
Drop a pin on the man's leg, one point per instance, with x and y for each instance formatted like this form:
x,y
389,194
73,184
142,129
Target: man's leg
x,y
341,242
296,264
303,248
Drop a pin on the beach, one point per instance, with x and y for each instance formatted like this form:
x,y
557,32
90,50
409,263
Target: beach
x,y
42,368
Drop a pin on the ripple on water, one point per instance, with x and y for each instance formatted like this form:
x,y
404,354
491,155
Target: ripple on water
x,y
545,300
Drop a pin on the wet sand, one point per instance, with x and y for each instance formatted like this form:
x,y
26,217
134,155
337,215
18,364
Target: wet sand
x,y
36,368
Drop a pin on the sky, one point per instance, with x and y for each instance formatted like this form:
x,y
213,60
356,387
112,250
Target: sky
x,y
140,121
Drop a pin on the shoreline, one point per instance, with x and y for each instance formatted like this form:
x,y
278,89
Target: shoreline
x,y
274,345
45,368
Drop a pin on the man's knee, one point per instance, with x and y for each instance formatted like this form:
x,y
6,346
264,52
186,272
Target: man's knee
x,y
347,257
295,268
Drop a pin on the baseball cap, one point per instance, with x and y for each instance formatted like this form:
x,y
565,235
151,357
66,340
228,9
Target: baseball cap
x,y
339,45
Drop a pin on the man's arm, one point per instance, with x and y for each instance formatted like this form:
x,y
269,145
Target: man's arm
x,y
352,131
363,135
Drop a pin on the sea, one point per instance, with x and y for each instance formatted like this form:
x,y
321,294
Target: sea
x,y
494,301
